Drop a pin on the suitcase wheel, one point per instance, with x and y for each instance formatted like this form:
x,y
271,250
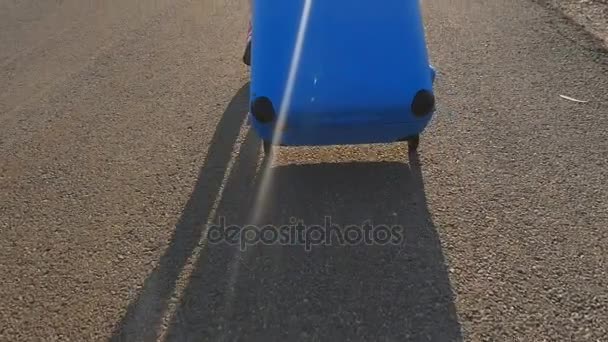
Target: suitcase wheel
x,y
412,143
267,147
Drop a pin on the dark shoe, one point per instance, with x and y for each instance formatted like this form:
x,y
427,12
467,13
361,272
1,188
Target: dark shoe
x,y
247,54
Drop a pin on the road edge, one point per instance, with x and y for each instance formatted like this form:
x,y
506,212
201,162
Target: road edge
x,y
585,16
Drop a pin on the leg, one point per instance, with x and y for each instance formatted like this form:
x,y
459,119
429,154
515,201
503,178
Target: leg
x,y
247,53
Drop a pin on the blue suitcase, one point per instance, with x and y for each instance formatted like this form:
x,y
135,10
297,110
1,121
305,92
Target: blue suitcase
x,y
336,72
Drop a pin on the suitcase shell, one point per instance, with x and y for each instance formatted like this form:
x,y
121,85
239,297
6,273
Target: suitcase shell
x,y
357,68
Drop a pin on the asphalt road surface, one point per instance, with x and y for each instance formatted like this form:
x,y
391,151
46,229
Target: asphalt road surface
x,y
122,135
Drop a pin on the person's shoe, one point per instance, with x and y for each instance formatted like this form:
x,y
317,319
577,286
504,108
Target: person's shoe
x,y
247,54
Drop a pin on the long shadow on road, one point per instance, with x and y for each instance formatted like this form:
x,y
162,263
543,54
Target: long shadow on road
x,y
333,292
143,317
